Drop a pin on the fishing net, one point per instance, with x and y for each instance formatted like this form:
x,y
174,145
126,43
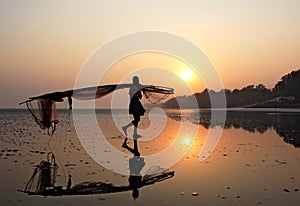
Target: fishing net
x,y
156,94
158,177
44,113
95,92
43,108
96,187
43,177
99,187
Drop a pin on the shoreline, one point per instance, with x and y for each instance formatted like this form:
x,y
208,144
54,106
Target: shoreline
x,y
283,109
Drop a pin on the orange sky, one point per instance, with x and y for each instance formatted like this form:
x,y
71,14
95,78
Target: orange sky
x,y
45,43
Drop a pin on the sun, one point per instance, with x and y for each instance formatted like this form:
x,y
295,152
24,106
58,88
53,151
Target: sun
x,y
186,74
187,141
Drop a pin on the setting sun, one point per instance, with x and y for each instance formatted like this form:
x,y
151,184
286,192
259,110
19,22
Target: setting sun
x,y
186,74
187,141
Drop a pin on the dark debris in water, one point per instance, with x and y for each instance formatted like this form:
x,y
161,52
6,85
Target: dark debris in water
x,y
288,190
70,164
117,137
281,162
37,152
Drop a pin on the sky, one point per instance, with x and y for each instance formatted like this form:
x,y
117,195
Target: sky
x,y
44,44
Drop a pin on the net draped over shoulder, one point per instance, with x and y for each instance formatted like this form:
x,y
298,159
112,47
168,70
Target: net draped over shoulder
x,y
43,107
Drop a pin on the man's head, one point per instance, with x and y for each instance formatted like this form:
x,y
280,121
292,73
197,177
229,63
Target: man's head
x,y
135,194
135,80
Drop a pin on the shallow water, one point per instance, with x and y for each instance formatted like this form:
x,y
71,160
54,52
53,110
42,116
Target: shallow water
x,y
256,161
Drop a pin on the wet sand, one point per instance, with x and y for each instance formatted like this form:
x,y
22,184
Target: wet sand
x,y
246,168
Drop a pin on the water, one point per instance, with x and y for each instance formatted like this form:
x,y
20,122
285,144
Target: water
x,y
256,161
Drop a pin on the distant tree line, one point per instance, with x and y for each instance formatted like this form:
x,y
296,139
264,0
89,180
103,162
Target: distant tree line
x,y
289,85
286,93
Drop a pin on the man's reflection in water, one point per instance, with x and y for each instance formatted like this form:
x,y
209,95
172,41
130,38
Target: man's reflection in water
x,y
136,164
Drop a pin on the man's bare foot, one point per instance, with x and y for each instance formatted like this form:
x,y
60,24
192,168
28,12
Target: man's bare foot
x,y
136,136
125,130
124,145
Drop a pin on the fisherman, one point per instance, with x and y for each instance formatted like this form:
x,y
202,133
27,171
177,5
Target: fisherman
x,y
135,108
